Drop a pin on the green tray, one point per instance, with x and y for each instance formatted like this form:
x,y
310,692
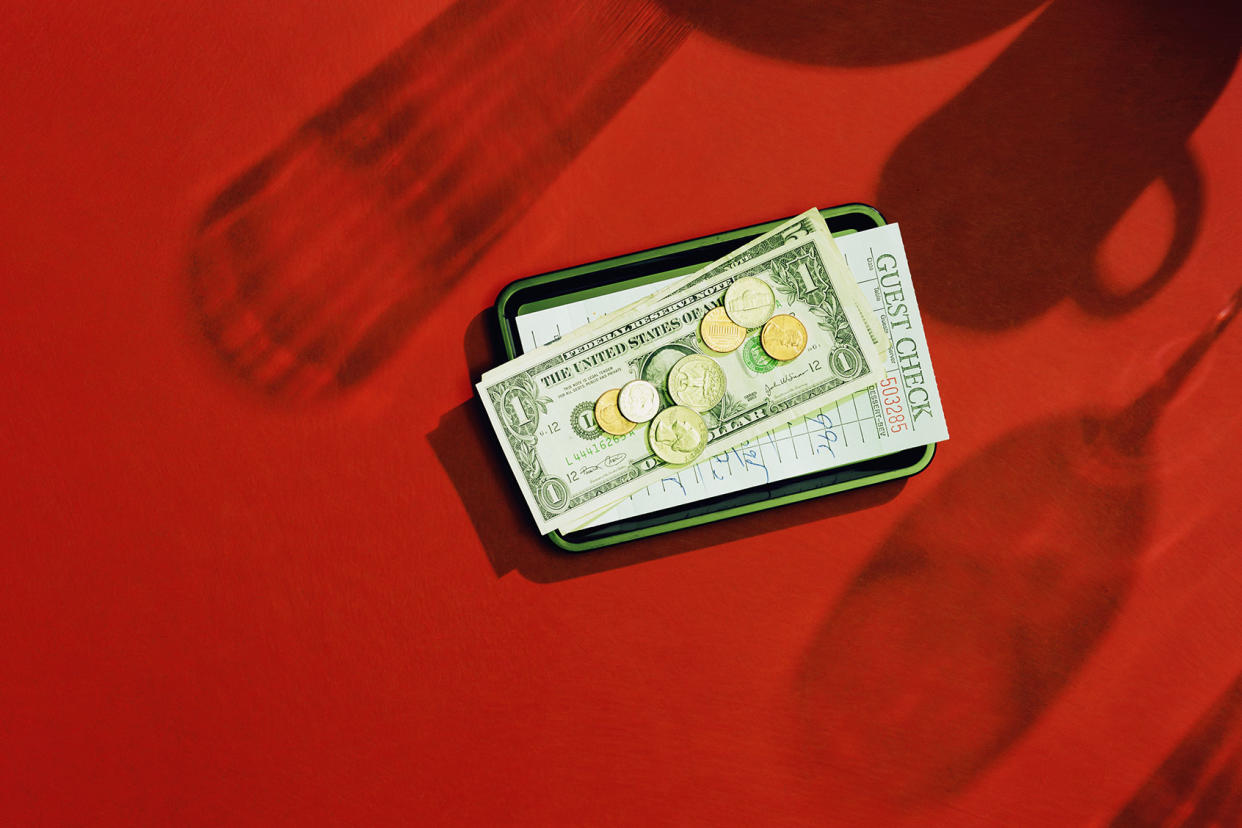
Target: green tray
x,y
574,284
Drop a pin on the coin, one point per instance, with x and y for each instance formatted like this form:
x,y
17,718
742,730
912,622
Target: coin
x,y
639,401
696,382
783,337
655,367
678,435
609,417
749,302
719,332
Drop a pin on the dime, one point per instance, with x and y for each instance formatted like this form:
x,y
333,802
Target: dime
x,y
609,417
678,435
720,333
696,382
639,401
783,337
749,302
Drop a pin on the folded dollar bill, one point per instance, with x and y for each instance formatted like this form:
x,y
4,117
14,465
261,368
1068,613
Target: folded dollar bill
x,y
799,227
541,403
902,412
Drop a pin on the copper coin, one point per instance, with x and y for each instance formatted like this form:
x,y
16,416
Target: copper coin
x,y
783,337
720,333
609,417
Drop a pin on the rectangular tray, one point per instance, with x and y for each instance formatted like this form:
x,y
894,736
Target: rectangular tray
x,y
574,284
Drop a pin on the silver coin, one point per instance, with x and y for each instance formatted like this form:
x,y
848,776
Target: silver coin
x,y
639,401
749,302
658,363
678,435
696,382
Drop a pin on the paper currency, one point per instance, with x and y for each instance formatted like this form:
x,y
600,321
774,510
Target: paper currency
x,y
799,227
900,412
540,404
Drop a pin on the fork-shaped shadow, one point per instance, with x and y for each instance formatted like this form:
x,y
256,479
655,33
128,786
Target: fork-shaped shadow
x,y
985,600
1200,783
849,33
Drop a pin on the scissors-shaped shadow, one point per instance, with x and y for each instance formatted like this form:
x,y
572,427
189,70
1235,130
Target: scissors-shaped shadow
x,y
985,600
1019,179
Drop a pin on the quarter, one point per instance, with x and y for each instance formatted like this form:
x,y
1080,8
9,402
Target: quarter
x,y
749,301
639,401
719,332
783,337
678,435
696,382
609,417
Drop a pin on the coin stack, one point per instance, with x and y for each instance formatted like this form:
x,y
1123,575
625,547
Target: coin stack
x,y
696,382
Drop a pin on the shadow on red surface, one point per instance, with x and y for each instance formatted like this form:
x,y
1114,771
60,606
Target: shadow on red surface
x,y
1018,180
846,33
986,599
314,265
1200,783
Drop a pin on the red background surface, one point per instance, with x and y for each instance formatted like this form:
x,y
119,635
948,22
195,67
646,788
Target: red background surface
x,y
224,605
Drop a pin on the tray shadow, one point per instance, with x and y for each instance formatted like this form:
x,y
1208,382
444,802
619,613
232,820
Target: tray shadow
x,y
467,449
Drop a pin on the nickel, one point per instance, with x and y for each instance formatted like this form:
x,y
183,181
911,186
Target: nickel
x,y
749,301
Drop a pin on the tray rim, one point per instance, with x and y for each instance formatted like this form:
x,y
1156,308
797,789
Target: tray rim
x,y
507,294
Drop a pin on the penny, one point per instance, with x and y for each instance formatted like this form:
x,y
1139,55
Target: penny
x,y
639,401
719,332
783,337
609,417
696,382
749,302
678,435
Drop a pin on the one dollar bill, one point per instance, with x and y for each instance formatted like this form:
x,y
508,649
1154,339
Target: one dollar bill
x,y
801,226
541,404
